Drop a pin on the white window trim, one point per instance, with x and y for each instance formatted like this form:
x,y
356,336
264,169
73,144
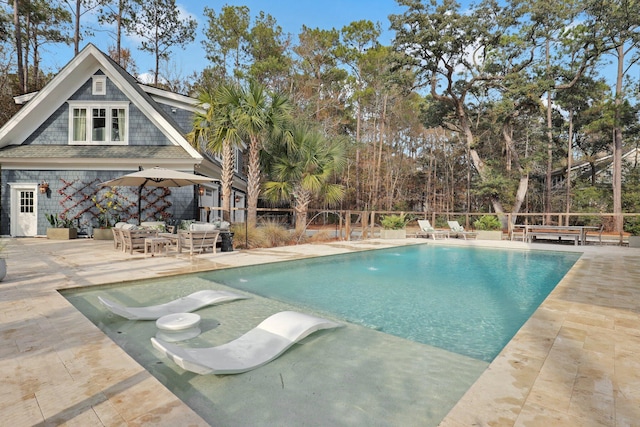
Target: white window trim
x,y
106,105
99,85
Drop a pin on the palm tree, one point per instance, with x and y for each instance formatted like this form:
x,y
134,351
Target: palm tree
x,y
259,115
302,169
214,126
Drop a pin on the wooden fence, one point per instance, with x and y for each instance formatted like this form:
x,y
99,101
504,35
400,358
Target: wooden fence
x,y
365,224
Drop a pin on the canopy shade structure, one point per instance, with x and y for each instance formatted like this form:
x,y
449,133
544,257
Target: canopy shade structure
x,y
156,177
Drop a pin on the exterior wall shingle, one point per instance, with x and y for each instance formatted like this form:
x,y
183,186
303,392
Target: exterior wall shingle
x,y
72,191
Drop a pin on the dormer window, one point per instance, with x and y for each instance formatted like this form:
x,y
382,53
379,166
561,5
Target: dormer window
x,y
99,85
104,123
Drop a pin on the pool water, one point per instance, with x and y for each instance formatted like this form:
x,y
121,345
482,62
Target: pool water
x,y
420,326
466,300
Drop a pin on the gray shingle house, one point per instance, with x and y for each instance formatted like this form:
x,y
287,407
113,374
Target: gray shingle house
x,y
94,122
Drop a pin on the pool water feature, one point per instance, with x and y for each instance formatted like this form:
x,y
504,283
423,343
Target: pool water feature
x,y
354,375
466,300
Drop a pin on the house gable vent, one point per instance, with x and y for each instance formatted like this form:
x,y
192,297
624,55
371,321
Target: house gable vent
x,y
99,86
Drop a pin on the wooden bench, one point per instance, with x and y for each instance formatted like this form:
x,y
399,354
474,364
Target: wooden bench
x,y
135,239
552,235
198,241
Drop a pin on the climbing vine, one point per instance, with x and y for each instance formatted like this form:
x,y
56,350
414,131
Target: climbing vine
x,y
78,200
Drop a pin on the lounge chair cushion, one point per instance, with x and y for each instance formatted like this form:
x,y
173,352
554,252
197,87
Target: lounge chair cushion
x,y
425,225
202,227
257,347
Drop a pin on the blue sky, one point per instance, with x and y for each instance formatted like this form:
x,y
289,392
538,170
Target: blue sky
x,y
291,15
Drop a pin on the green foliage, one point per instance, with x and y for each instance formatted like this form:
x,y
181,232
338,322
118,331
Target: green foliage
x,y
632,226
59,221
160,27
487,222
226,37
108,207
185,224
589,198
394,222
302,169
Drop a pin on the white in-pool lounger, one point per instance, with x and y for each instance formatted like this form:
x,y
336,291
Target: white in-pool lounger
x,y
186,304
257,347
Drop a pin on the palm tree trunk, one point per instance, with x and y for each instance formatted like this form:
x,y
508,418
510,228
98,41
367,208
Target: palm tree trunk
x,y
253,181
303,198
227,180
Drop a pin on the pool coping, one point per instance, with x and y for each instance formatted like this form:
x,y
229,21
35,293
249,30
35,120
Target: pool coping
x,y
571,363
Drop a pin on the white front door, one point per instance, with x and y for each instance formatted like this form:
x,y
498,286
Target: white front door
x,y
24,212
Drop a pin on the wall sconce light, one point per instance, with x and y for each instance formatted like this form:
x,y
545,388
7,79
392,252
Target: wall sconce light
x,y
201,190
43,187
237,199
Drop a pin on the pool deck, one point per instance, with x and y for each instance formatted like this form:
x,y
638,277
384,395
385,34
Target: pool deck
x,y
574,362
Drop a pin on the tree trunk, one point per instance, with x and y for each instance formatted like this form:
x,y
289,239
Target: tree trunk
x,y
119,33
18,37
301,208
617,144
25,56
547,196
227,180
76,31
523,185
569,162
475,157
376,189
253,181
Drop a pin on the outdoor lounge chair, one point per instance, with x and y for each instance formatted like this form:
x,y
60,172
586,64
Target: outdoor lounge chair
x,y
459,230
427,230
186,304
199,238
257,347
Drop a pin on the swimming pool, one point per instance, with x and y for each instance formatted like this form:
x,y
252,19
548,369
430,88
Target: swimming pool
x,y
354,375
466,300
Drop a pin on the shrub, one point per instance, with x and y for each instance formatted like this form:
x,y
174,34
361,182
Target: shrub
x,y
321,236
394,222
487,222
632,226
273,234
59,221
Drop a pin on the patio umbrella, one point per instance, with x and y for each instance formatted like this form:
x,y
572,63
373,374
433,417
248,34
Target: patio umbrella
x,y
156,177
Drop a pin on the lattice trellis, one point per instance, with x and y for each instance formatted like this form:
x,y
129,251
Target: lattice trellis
x,y
77,201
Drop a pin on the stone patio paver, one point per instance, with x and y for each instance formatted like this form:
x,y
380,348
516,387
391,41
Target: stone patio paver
x,y
574,363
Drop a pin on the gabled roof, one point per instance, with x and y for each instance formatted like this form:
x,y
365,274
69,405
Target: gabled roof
x,y
72,76
602,163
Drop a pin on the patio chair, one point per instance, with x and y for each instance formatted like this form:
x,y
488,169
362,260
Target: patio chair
x,y
599,231
427,230
134,238
459,230
186,304
117,238
257,347
518,232
198,241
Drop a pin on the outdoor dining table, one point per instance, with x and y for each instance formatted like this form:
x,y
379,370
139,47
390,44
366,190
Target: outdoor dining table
x,y
580,230
174,239
155,245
